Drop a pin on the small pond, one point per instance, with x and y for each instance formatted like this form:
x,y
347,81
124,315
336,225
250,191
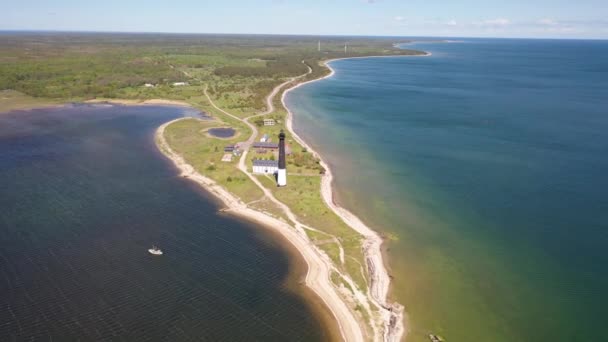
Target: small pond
x,y
224,132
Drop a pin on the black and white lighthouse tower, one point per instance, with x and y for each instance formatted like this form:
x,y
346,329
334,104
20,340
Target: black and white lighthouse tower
x,y
282,174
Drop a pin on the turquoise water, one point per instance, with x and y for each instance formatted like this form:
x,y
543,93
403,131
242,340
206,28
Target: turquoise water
x,y
487,163
84,194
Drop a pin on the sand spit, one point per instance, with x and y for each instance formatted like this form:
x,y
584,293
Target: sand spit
x,y
388,325
319,266
392,314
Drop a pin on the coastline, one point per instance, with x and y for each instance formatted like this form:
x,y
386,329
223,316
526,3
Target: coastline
x,y
122,102
393,314
150,102
26,108
318,265
369,138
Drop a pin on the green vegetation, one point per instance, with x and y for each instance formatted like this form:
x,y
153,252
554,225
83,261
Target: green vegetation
x,y
267,206
187,138
11,100
240,70
59,67
238,73
303,196
300,161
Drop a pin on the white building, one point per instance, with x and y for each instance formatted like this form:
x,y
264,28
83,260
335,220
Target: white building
x,y
269,122
282,171
179,84
265,166
265,138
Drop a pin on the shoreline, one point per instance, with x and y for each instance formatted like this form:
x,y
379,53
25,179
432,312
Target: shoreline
x,y
393,314
319,265
27,108
333,72
121,102
150,102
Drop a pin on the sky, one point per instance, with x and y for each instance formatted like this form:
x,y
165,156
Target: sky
x,y
443,18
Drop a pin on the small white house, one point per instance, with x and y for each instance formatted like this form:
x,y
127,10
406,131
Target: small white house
x,y
180,84
265,166
265,138
148,85
269,122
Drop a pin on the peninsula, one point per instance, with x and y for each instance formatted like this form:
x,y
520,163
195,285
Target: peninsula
x,y
240,82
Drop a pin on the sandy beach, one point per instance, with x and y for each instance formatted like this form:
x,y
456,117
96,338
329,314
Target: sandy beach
x,y
319,266
385,326
389,325
392,313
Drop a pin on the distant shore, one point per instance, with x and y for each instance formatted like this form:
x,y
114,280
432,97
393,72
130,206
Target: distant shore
x,y
122,102
28,103
151,102
333,72
11,100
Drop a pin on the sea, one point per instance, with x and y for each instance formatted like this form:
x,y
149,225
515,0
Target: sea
x,y
485,167
84,193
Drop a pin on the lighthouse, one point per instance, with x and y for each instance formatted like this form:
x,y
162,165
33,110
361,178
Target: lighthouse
x,y
282,173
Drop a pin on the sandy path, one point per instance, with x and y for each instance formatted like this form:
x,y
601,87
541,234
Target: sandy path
x,y
349,326
391,313
319,267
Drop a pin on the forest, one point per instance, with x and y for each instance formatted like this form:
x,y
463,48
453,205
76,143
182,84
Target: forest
x,y
244,68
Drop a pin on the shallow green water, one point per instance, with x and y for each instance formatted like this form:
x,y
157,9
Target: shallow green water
x,y
488,162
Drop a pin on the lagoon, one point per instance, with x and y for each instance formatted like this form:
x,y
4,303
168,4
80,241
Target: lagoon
x,y
85,193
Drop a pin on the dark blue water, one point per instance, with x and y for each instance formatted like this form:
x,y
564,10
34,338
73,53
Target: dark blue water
x,y
487,164
222,132
83,194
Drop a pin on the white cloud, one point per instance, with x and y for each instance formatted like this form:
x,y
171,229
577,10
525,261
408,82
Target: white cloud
x,y
399,18
500,22
452,23
547,22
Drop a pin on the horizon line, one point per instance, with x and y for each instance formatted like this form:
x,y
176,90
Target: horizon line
x,y
282,35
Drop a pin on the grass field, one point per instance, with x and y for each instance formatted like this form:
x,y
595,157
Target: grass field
x,y
13,100
187,137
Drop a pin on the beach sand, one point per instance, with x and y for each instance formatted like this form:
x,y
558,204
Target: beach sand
x,y
319,265
392,314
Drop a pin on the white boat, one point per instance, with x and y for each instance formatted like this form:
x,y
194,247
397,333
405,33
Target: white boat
x,y
155,250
